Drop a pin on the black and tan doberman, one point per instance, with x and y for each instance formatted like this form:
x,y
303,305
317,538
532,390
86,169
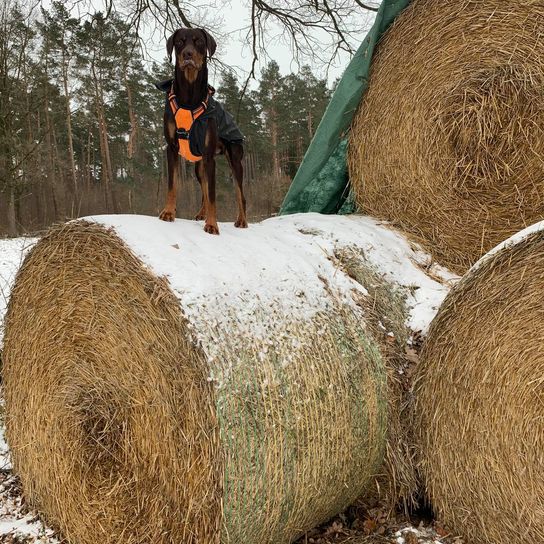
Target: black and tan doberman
x,y
198,128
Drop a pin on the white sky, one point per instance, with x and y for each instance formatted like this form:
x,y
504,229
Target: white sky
x,y
231,18
237,50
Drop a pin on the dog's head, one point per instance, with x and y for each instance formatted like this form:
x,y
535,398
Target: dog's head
x,y
192,46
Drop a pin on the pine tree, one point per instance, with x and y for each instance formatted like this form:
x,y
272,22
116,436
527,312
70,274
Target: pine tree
x,y
268,95
58,31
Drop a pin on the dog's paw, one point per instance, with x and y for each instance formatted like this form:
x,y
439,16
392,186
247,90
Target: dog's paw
x,y
241,223
167,215
200,217
211,229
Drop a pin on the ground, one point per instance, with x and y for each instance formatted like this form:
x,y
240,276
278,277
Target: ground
x,y
18,525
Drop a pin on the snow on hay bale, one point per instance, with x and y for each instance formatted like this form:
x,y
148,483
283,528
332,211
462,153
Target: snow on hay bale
x,y
480,398
165,384
449,139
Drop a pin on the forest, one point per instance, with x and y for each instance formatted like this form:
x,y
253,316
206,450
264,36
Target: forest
x,y
81,128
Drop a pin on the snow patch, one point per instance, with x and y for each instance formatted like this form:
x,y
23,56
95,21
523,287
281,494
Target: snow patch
x,y
12,254
509,242
16,523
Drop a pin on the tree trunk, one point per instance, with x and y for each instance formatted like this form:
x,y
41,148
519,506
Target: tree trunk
x,y
107,170
274,138
12,223
58,209
74,188
300,149
132,146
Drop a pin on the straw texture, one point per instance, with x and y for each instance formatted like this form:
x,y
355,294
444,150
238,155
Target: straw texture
x,y
386,313
449,139
124,429
109,415
480,398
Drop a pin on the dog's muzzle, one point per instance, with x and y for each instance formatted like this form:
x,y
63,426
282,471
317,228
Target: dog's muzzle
x,y
189,62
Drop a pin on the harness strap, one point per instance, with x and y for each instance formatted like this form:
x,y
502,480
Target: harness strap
x,y
184,118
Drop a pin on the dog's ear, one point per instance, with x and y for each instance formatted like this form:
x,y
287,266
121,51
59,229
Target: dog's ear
x,y
170,45
210,42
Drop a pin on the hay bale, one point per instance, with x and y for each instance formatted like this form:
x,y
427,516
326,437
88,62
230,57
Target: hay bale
x,y
449,139
162,384
480,398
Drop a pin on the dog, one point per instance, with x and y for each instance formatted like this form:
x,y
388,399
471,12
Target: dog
x,y
197,127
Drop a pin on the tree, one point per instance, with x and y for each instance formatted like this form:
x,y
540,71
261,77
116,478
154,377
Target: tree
x,y
98,60
268,94
58,31
17,135
81,128
303,98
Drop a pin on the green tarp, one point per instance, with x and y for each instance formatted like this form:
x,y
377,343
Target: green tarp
x,y
321,183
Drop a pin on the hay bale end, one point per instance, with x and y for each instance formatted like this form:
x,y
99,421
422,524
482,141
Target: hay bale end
x,y
480,397
448,140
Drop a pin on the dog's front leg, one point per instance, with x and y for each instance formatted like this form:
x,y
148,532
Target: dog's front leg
x,y
199,174
208,192
172,156
207,181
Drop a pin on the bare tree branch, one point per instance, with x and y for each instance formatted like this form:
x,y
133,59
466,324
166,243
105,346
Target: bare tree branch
x,y
366,6
182,14
315,30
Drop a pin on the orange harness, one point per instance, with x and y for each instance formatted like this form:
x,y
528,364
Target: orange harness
x,y
184,121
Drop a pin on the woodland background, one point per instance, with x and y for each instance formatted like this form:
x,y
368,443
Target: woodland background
x,y
81,124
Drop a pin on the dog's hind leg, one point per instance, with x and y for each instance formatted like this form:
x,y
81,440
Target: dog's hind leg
x,y
235,153
206,175
201,215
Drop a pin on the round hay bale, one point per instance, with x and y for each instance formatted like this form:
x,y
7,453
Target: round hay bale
x,y
480,399
448,141
165,385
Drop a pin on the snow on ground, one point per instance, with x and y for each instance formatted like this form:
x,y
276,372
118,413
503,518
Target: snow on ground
x,y
17,524
5,461
12,253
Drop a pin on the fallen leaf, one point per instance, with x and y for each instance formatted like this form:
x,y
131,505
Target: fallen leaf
x,y
410,538
369,526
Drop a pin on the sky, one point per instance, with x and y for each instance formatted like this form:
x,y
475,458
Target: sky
x,y
232,18
277,48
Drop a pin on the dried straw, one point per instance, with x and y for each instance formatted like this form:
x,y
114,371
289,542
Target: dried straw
x,y
109,416
480,399
448,141
386,312
123,430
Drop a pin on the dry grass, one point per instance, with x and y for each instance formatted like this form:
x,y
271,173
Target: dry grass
x,y
109,415
480,400
123,431
448,142
386,313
